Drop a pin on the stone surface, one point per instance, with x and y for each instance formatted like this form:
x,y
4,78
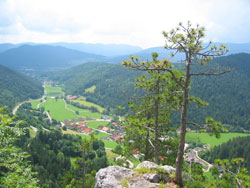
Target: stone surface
x,y
169,169
154,178
117,177
112,176
141,183
147,164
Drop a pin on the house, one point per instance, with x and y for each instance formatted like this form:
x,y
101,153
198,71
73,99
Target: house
x,y
105,117
83,123
114,124
106,129
117,137
87,131
70,97
188,129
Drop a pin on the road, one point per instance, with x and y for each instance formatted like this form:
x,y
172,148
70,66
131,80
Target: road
x,y
30,100
207,163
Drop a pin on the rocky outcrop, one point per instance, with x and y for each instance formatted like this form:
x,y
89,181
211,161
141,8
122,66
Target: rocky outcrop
x,y
145,175
112,176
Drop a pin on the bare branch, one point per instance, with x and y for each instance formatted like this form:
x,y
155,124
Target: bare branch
x,y
212,73
197,125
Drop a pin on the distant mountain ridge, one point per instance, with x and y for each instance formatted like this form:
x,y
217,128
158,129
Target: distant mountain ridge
x,y
108,50
234,48
45,57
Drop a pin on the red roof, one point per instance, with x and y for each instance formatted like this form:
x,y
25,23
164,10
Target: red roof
x,y
87,130
117,137
114,123
83,122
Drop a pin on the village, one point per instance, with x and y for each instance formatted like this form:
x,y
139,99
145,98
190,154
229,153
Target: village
x,y
113,130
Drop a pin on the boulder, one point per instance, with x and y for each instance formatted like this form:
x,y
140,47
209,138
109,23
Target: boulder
x,y
169,169
154,178
141,183
147,164
112,176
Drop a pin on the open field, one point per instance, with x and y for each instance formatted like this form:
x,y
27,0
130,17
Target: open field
x,y
57,109
84,112
90,89
35,103
83,101
95,124
53,91
211,140
108,144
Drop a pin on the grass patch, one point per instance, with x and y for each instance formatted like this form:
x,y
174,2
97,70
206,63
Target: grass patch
x,y
84,112
99,135
32,133
82,101
95,124
68,131
53,91
108,144
90,89
57,110
204,138
35,103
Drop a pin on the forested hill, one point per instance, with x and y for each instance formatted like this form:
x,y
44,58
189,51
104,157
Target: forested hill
x,y
228,95
16,87
114,84
235,148
44,57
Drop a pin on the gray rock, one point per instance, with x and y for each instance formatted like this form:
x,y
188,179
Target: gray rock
x,y
169,169
154,178
141,183
147,164
112,176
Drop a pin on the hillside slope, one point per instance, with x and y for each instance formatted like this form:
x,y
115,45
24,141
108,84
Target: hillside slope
x,y
113,83
228,95
16,87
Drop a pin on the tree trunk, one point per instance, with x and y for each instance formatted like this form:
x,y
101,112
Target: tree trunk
x,y
147,148
157,123
183,122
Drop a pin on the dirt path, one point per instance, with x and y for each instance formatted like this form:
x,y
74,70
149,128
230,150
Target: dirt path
x,y
207,163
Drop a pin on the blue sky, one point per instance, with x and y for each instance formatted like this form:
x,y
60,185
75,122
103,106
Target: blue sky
x,y
135,22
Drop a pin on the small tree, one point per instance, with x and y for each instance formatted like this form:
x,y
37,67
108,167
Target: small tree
x,y
147,128
188,40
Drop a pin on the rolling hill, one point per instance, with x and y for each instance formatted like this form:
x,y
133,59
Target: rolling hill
x,y
16,87
45,57
228,95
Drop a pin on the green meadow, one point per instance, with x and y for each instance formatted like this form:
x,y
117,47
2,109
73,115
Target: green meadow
x,y
35,103
82,101
95,124
53,91
204,138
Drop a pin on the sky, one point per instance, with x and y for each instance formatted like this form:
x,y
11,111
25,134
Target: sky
x,y
134,22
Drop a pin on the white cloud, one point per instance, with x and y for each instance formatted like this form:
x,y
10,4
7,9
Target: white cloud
x,y
138,22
